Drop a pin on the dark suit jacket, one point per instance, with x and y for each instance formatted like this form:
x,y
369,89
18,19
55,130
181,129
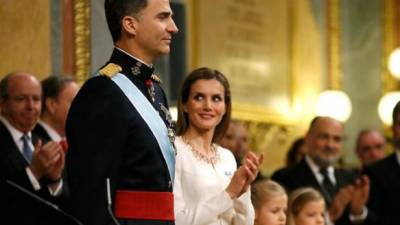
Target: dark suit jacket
x,y
41,133
12,167
109,139
301,175
385,190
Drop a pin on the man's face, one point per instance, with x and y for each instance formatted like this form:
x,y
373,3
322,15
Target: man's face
x,y
371,147
23,105
243,141
155,28
229,140
324,141
59,107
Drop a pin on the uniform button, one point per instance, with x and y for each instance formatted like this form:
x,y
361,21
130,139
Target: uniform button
x,y
170,184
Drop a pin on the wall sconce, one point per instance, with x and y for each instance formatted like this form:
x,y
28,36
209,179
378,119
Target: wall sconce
x,y
394,63
386,106
335,104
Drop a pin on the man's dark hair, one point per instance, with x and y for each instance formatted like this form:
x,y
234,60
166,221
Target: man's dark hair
x,y
396,112
4,88
4,85
52,87
115,10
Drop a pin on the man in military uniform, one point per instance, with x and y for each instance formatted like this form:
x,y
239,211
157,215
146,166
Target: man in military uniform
x,y
115,145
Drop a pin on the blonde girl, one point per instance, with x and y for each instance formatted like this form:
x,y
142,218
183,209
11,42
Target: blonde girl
x,y
306,207
270,203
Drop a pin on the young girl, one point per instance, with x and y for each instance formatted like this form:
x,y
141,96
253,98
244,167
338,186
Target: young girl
x,y
270,203
306,207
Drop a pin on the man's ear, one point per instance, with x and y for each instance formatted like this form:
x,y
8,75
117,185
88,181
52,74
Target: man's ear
x,y
130,25
51,105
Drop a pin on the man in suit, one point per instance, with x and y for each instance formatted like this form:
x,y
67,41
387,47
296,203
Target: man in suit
x,y
119,128
236,140
25,160
385,176
339,187
370,146
58,93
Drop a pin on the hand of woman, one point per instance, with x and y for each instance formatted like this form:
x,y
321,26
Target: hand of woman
x,y
244,175
252,164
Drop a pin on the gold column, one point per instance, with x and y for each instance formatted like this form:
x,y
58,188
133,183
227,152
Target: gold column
x,y
82,39
390,41
333,44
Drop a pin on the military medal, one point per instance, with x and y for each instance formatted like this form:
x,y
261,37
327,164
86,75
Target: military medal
x,y
150,88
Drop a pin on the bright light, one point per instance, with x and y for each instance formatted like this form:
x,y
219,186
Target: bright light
x,y
335,104
394,63
386,106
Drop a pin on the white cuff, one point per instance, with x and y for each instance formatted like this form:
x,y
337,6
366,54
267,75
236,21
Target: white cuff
x,y
32,179
359,218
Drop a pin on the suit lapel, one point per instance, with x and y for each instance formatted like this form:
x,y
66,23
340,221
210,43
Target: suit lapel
x,y
10,152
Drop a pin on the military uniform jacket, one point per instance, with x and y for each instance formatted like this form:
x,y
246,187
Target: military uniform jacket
x,y
109,139
384,196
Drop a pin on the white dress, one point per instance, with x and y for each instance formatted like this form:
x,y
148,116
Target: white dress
x,y
199,190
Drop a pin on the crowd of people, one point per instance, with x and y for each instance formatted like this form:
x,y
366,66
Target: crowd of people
x,y
109,152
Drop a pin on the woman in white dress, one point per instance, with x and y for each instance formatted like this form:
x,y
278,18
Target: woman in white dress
x,y
208,189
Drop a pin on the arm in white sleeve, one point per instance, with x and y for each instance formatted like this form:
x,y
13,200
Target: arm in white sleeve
x,y
244,211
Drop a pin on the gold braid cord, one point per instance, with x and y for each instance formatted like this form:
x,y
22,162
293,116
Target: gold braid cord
x,y
82,39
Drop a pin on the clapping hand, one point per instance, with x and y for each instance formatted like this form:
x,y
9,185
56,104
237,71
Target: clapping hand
x,y
244,175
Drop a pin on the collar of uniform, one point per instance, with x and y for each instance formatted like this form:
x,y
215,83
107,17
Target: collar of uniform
x,y
130,65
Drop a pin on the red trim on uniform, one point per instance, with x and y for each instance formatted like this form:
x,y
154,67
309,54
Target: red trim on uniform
x,y
144,205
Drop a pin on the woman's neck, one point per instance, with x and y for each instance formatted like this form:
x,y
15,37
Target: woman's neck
x,y
202,141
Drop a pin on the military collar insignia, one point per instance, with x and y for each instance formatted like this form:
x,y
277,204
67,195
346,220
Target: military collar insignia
x,y
136,69
110,70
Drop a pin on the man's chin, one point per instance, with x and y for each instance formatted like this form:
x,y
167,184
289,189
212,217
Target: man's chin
x,y
325,162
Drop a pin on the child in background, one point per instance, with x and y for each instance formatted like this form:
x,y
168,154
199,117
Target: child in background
x,y
306,207
270,203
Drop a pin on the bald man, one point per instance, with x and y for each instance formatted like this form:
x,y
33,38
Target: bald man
x,y
345,195
370,146
25,160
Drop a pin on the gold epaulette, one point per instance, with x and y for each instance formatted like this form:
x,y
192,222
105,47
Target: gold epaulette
x,y
155,78
110,70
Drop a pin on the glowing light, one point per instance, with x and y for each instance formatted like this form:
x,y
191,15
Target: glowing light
x,y
386,106
394,63
335,104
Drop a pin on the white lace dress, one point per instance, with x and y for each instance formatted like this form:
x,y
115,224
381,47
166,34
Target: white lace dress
x,y
199,190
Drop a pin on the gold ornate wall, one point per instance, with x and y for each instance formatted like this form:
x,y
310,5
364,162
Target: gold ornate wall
x,y
25,37
271,53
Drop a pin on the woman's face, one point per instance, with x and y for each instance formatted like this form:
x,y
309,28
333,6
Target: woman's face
x,y
312,213
205,105
272,212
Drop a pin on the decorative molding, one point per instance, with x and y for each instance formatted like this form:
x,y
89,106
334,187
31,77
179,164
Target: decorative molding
x,y
390,35
333,42
82,39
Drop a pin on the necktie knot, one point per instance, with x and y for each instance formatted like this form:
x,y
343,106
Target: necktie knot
x,y
26,148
